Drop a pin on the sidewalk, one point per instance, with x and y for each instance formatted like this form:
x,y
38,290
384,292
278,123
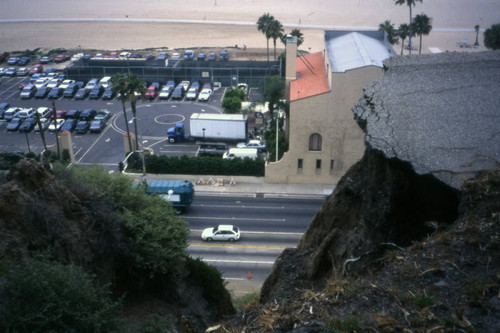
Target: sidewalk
x,y
246,186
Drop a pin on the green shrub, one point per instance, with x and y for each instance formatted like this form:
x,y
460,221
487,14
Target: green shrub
x,y
210,280
157,324
205,165
44,296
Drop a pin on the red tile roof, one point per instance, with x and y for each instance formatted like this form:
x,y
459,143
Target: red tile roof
x,y
312,79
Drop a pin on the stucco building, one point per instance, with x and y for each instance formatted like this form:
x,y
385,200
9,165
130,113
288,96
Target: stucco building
x,y
324,139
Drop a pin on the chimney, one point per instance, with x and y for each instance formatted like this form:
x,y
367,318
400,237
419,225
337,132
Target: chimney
x,y
291,62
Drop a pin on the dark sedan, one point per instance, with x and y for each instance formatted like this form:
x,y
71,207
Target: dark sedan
x,y
71,90
46,60
178,92
97,126
27,125
72,114
82,93
42,92
55,93
82,127
96,92
88,114
14,124
109,93
69,125
23,61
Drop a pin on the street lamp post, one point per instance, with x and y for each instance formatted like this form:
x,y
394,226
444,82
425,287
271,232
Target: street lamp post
x,y
204,145
134,119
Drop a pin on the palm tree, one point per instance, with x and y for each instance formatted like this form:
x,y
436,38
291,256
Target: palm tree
x,y
388,27
263,25
409,3
136,90
119,84
403,33
295,32
275,32
476,27
422,26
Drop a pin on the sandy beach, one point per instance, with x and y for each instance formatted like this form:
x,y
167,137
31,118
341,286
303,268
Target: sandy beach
x,y
128,24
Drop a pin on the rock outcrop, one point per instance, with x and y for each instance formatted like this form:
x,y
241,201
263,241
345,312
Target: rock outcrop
x,y
431,122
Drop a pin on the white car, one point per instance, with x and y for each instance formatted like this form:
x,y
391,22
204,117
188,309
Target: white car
x,y
205,95
252,144
45,124
57,126
66,83
3,71
176,56
44,112
76,57
53,83
23,71
41,82
221,233
125,55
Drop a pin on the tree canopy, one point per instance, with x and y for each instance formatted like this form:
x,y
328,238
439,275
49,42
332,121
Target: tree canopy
x,y
410,4
388,27
421,26
263,24
492,37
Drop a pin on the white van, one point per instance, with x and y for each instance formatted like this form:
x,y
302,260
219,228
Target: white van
x,y
105,81
252,153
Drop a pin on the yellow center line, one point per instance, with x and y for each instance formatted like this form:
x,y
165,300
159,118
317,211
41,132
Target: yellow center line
x,y
239,246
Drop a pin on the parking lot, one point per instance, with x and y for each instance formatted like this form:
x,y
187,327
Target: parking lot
x,y
107,148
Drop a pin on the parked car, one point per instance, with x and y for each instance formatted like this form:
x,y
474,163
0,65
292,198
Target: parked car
x,y
23,71
92,83
55,126
44,124
76,57
149,56
12,61
37,76
152,92
46,60
252,144
82,127
125,55
178,92
212,56
23,61
25,113
176,56
82,93
38,68
224,55
2,71
189,55
71,90
97,126
62,58
11,71
72,114
108,93
65,84
60,114
69,125
3,107
103,115
205,95
88,114
28,91
162,56
113,54
105,81
41,82
136,55
11,113
193,90
42,92
96,92
54,82
44,112
55,93
14,124
221,233
202,56
27,125
165,92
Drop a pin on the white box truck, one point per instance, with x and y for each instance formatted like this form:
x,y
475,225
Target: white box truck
x,y
214,126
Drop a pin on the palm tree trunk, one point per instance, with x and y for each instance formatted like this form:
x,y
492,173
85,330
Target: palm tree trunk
x,y
409,37
420,46
402,45
274,43
267,49
135,126
56,131
126,125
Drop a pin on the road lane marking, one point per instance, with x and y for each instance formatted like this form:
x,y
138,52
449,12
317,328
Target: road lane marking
x,y
232,218
239,206
239,261
239,246
263,232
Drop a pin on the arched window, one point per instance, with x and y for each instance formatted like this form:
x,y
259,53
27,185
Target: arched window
x,y
315,142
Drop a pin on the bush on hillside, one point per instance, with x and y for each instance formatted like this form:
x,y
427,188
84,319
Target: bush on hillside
x,y
45,296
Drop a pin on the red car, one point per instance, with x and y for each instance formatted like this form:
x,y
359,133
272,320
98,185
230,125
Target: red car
x,y
113,55
36,69
60,114
62,58
152,92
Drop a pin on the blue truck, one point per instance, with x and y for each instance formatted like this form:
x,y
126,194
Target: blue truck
x,y
179,193
177,133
